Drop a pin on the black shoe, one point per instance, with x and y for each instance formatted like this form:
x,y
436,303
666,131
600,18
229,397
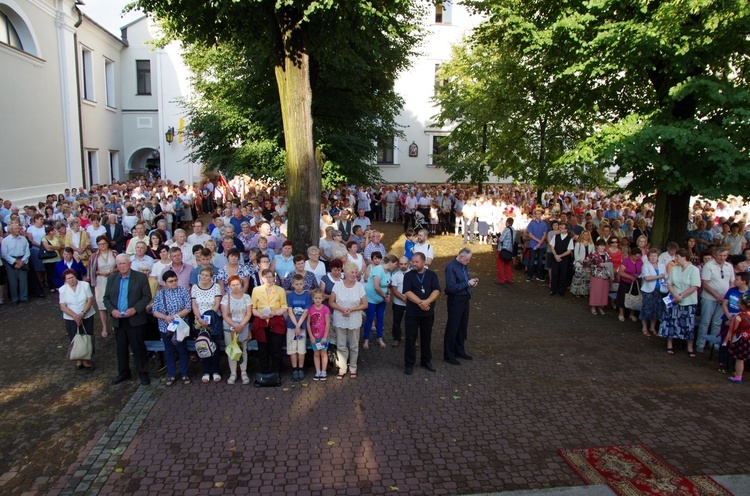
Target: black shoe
x,y
145,381
453,361
429,367
465,356
409,370
119,379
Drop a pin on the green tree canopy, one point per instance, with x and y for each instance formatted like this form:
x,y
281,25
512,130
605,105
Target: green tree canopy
x,y
666,78
333,64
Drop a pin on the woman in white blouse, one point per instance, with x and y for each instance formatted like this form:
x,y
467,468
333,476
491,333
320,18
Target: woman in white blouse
x,y
77,306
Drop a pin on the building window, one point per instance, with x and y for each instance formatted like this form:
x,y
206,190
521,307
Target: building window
x,y
109,82
93,165
443,13
143,70
437,148
8,33
385,152
87,73
439,81
114,166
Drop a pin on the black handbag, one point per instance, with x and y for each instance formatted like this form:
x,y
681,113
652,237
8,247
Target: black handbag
x,y
46,254
506,255
270,379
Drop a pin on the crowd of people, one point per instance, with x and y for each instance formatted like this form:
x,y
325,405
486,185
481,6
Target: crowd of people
x,y
123,252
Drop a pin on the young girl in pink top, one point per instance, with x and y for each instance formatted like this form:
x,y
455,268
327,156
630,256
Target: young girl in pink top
x,y
319,328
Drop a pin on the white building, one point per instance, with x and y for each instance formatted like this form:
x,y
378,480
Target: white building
x,y
446,26
83,106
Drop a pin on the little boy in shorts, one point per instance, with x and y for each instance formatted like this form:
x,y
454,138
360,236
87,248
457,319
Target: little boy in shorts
x,y
298,303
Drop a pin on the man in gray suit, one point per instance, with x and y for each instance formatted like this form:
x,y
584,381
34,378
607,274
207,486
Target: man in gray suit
x,y
125,298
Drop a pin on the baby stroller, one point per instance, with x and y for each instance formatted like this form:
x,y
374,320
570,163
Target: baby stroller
x,y
420,222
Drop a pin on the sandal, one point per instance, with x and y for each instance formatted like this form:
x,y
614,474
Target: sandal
x,y
339,377
621,318
169,381
601,311
186,380
593,311
692,354
366,345
645,332
634,318
670,351
353,375
395,344
205,379
381,343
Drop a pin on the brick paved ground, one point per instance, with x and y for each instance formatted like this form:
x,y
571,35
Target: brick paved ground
x,y
546,374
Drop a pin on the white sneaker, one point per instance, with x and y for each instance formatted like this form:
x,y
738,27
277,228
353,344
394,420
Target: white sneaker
x,y
231,379
245,379
317,375
323,375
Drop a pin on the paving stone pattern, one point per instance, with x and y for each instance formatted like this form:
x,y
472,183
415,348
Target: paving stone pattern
x,y
546,374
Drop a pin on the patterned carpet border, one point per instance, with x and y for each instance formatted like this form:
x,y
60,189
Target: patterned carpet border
x,y
635,470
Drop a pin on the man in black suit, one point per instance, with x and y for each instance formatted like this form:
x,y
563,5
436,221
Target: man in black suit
x,y
125,298
115,234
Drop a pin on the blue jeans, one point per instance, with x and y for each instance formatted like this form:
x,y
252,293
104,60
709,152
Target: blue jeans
x,y
375,310
169,351
539,257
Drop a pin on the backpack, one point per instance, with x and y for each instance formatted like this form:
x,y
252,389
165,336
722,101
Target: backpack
x,y
204,346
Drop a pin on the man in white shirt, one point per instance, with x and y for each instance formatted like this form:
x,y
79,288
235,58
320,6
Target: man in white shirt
x,y
139,234
716,277
399,300
362,220
140,256
391,198
423,247
198,237
129,220
410,206
180,241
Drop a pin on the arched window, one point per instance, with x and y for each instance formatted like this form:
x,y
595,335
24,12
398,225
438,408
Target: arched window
x,y
8,33
15,31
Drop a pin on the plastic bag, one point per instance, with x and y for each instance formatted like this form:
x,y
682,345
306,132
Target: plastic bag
x,y
234,352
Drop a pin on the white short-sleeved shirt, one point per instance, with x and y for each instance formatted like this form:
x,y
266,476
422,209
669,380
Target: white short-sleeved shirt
x,y
76,298
205,298
424,248
719,277
237,308
348,298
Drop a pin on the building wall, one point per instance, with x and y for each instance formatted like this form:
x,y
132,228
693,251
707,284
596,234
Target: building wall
x,y
417,87
39,135
161,110
101,112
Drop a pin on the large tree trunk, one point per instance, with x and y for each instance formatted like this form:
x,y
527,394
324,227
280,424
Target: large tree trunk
x,y
303,174
670,219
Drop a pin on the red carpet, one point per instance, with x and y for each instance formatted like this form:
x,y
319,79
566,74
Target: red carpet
x,y
634,470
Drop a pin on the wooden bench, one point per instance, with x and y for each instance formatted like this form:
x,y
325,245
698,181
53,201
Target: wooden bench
x,y
155,346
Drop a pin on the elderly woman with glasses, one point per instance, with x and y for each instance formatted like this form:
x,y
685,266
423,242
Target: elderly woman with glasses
x,y
269,305
679,320
77,307
169,303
